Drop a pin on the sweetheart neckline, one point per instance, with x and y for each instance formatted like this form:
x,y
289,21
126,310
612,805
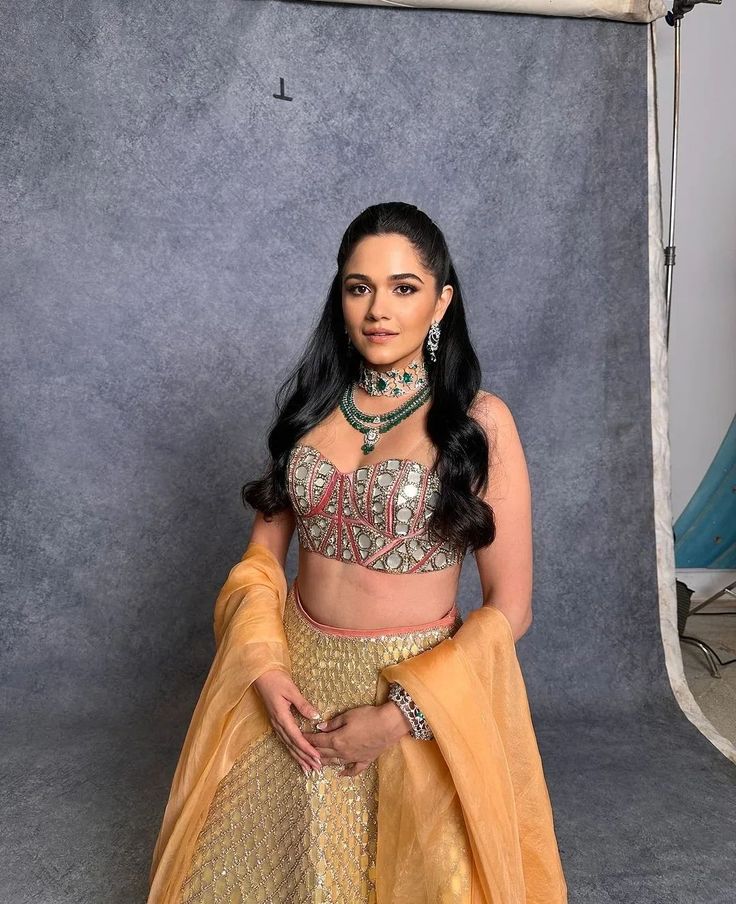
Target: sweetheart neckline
x,y
374,464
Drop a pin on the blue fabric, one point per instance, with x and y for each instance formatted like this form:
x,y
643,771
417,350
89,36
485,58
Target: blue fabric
x,y
705,532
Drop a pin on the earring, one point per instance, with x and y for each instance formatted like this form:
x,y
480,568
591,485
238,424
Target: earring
x,y
433,339
347,335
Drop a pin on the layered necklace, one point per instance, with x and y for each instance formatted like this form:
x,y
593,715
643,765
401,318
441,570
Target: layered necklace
x,y
385,382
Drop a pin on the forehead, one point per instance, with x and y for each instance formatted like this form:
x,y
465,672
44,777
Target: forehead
x,y
383,255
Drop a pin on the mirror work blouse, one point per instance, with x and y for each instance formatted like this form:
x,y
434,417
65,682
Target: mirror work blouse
x,y
375,515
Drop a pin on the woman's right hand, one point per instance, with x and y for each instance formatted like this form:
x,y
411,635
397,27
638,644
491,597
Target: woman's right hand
x,y
278,692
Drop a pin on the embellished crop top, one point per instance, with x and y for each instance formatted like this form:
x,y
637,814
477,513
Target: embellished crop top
x,y
375,515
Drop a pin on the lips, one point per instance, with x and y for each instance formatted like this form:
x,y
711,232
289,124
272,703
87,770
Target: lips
x,y
379,333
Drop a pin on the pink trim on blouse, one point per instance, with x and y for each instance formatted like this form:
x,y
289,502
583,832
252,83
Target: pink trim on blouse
x,y
376,515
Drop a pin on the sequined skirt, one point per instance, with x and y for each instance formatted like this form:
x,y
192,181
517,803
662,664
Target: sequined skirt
x,y
278,836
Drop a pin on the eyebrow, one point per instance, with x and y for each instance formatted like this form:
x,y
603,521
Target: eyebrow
x,y
395,278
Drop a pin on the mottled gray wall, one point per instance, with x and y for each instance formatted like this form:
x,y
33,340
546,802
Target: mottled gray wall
x,y
169,230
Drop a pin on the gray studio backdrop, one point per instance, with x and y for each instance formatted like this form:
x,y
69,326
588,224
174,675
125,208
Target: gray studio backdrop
x,y
176,179
171,234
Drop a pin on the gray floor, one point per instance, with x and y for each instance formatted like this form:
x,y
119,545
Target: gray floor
x,y
643,807
716,695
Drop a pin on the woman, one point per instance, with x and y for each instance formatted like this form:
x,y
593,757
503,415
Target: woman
x,y
356,741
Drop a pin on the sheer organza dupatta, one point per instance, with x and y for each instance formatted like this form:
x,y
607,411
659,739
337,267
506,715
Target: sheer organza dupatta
x,y
481,782
250,638
485,773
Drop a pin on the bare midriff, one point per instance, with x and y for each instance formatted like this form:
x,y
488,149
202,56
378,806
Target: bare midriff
x,y
351,596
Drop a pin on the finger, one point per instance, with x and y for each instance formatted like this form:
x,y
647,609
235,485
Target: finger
x,y
303,764
350,769
295,734
303,705
298,755
331,724
334,761
325,746
297,739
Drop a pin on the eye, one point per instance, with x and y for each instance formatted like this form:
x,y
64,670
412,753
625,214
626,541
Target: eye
x,y
352,290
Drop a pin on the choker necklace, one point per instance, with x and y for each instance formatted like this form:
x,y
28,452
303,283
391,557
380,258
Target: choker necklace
x,y
393,382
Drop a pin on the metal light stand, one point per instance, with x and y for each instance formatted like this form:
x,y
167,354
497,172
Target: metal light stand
x,y
711,657
674,18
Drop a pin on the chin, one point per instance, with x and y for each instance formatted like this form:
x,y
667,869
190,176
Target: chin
x,y
383,357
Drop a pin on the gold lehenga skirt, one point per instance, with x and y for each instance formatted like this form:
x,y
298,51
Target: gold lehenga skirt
x,y
277,836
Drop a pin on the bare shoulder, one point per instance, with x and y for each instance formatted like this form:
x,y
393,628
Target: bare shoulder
x,y
492,413
506,459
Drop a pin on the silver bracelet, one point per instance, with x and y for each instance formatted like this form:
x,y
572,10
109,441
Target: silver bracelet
x,y
401,697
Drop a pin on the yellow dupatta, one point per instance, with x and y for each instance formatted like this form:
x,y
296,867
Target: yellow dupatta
x,y
484,769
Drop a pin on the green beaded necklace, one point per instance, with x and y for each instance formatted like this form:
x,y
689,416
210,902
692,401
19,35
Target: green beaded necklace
x,y
373,425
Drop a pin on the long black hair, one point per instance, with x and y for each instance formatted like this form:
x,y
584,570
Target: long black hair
x,y
329,364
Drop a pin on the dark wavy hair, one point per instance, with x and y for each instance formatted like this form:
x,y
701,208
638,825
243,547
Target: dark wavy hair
x,y
328,364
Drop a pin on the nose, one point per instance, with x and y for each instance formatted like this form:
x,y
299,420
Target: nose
x,y
379,305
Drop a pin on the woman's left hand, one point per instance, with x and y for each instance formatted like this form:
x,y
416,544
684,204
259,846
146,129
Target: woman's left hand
x,y
357,736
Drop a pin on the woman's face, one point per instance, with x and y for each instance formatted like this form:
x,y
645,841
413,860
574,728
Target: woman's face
x,y
386,288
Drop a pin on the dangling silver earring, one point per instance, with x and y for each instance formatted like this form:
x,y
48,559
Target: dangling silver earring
x,y
433,339
347,334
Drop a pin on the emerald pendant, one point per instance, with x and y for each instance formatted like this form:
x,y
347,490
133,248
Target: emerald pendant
x,y
373,425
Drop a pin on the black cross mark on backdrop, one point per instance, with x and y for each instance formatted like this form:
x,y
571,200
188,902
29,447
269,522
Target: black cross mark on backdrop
x,y
282,96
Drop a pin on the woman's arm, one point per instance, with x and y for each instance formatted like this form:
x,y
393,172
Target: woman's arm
x,y
275,534
505,567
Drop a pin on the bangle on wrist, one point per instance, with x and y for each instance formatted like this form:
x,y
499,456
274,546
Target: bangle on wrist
x,y
400,696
